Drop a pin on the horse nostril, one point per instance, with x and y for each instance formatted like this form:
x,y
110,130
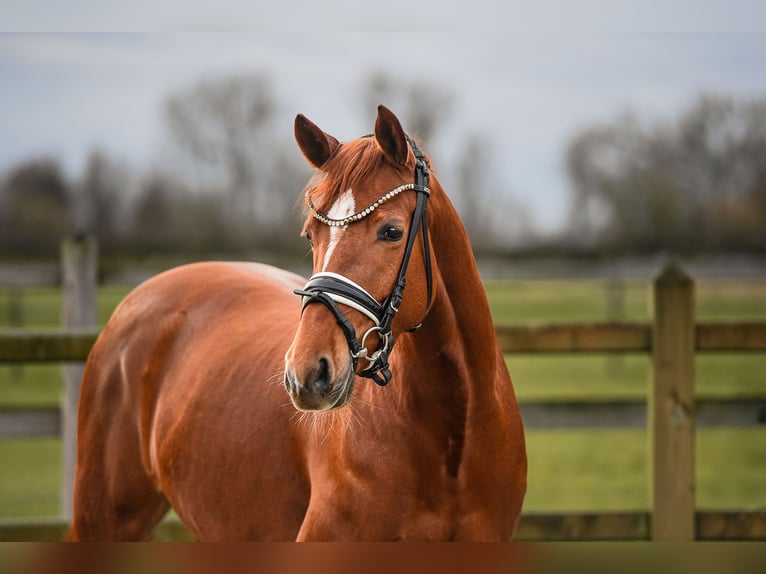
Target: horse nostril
x,y
321,381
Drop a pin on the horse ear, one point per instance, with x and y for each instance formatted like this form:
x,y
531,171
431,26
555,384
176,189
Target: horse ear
x,y
316,145
390,136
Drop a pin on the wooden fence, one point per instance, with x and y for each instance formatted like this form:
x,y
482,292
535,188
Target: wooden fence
x,y
671,414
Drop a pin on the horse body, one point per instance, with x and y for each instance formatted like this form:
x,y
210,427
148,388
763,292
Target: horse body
x,y
182,402
183,405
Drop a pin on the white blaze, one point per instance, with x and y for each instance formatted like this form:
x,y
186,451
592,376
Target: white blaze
x,y
343,207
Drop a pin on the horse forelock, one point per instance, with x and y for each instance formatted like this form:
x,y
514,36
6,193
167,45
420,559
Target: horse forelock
x,y
354,163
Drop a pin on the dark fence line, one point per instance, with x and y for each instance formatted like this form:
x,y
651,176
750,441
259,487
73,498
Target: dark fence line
x,y
26,346
712,525
710,412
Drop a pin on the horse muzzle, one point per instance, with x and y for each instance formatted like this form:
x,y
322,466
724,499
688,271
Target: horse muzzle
x,y
317,386
332,290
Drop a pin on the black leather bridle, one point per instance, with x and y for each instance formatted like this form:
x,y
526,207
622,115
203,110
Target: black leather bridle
x,y
332,289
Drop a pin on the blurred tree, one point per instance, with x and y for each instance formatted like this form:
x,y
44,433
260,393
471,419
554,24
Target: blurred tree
x,y
493,218
225,127
34,209
287,177
99,198
471,186
690,186
154,225
168,218
422,106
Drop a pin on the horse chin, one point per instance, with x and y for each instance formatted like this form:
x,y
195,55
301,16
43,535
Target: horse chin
x,y
337,398
344,395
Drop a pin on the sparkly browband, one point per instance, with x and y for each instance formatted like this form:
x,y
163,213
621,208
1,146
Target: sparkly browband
x,y
321,217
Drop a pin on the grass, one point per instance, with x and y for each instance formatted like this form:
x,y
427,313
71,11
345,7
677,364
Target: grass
x,y
601,377
30,386
577,469
29,477
41,306
573,300
571,470
626,376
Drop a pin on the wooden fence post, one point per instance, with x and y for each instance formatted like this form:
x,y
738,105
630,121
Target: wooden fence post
x,y
79,272
671,407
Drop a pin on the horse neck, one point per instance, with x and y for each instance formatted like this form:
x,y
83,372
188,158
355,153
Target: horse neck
x,y
445,374
462,287
457,340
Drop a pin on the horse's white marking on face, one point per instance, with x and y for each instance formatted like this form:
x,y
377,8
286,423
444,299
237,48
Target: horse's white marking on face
x,y
343,207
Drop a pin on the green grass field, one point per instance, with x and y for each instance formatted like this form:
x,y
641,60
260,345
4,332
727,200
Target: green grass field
x,y
579,469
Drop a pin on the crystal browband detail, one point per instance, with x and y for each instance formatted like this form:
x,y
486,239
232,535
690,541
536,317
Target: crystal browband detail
x,y
361,214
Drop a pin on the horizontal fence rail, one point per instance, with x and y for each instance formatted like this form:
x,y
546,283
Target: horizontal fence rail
x,y
740,336
575,338
24,346
625,337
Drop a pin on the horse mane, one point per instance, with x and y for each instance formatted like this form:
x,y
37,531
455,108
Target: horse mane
x,y
353,163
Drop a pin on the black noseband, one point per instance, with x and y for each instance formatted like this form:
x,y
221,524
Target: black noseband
x,y
332,289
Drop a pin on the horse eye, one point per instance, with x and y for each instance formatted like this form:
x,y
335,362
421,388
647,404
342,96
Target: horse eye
x,y
309,238
389,233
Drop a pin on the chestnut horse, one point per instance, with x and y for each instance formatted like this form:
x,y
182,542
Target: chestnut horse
x,y
183,400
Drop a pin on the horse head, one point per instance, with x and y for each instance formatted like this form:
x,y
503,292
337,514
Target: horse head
x,y
366,222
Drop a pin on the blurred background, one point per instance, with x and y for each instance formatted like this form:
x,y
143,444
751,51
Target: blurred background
x,y
584,145
581,144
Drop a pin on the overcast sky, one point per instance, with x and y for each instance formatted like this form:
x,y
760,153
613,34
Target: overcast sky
x,y
526,79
